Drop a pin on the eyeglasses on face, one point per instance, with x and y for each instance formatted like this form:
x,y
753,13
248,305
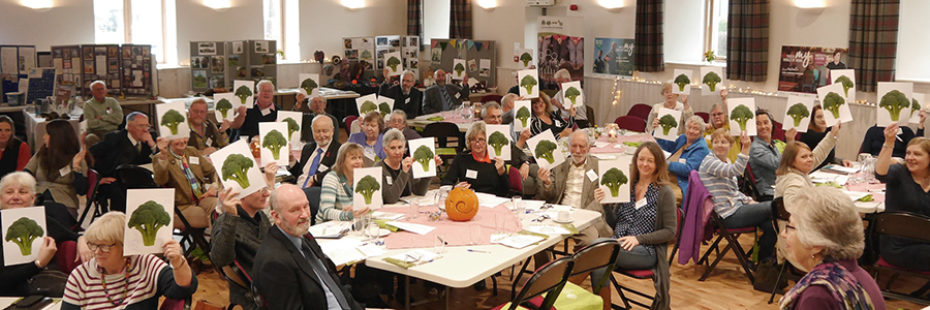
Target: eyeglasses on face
x,y
105,248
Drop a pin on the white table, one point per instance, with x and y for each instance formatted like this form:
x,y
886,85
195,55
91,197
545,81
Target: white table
x,y
7,301
862,207
35,128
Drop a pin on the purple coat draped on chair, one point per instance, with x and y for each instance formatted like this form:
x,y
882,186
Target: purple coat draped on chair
x,y
697,208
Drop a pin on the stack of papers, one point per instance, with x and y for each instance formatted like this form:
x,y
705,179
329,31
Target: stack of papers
x,y
855,195
343,251
490,201
519,241
419,229
330,230
841,169
547,230
413,257
381,215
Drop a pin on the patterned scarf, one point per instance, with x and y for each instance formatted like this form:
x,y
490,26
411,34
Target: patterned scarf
x,y
633,222
843,287
191,178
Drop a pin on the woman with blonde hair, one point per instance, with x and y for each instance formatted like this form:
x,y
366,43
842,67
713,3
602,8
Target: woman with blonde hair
x,y
336,193
797,161
547,118
671,102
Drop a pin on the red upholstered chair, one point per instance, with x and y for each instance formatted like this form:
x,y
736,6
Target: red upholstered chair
x,y
703,115
348,123
632,123
516,180
640,110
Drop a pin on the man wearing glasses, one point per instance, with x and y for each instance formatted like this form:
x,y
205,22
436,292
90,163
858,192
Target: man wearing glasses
x,y
132,145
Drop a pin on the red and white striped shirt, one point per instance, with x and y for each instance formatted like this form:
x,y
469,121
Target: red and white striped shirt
x,y
85,288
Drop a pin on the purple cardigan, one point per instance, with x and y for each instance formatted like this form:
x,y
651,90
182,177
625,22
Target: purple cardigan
x,y
698,205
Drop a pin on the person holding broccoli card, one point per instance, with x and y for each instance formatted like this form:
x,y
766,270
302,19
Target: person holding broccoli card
x,y
406,97
687,151
191,174
336,195
475,169
671,102
317,157
264,110
205,135
444,96
765,154
397,179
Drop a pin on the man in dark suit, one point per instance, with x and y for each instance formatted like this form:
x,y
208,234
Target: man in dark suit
x,y
405,96
317,157
291,271
263,110
317,107
443,96
132,145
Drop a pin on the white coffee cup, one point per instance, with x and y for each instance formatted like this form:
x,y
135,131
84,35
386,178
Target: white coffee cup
x,y
564,216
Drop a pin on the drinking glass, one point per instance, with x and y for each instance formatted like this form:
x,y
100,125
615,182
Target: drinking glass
x,y
518,208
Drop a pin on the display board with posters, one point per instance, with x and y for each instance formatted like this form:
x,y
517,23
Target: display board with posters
x,y
560,45
804,68
613,56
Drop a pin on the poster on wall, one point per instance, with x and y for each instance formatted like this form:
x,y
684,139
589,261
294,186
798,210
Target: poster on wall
x,y
613,56
804,69
561,46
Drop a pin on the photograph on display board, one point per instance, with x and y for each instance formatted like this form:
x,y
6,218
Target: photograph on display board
x,y
613,56
546,149
498,141
742,112
682,81
614,179
149,220
798,114
522,115
172,120
423,151
23,231
894,103
366,188
668,124
835,107
917,102
561,46
274,142
804,69
199,79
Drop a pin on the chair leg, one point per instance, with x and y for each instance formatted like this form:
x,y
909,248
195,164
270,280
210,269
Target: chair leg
x,y
741,256
781,273
626,302
513,290
711,248
714,264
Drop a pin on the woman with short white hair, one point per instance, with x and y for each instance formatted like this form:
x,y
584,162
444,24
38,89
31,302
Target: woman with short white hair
x,y
824,238
688,151
397,177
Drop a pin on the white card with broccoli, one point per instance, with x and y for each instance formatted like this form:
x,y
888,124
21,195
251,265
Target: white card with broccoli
x,y
392,62
522,114
172,120
293,120
835,107
572,95
668,124
529,83
894,103
366,188
682,81
149,220
712,80
24,231
614,179
917,101
742,112
309,83
524,58
237,168
385,105
847,78
458,69
546,149
274,141
798,113
423,151
225,106
244,91
366,104
498,141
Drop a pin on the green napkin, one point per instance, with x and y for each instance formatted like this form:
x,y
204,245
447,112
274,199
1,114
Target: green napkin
x,y
435,118
571,228
385,225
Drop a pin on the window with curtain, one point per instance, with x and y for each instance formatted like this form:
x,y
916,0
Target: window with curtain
x,y
715,27
133,21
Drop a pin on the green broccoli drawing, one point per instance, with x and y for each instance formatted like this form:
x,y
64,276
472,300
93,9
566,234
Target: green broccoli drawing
x,y
148,219
235,167
681,80
458,69
393,62
497,140
915,106
667,122
292,126
798,112
366,54
528,82
832,103
367,187
224,106
544,150
894,101
274,141
23,232
711,79
526,58
308,85
741,114
243,92
367,106
384,108
523,114
572,93
172,119
424,156
613,179
847,83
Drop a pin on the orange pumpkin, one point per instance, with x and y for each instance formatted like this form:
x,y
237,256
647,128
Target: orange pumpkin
x,y
461,205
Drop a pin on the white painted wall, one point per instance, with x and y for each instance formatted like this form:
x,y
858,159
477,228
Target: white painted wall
x,y
323,23
69,22
683,30
196,22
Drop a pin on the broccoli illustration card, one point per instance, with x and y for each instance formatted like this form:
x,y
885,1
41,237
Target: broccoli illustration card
x,y
614,179
498,141
682,82
367,103
524,58
894,103
712,80
172,120
309,83
835,107
393,63
23,233
292,119
847,78
225,106
529,83
742,116
798,113
917,101
366,188
385,106
424,151
274,139
522,115
572,95
238,169
668,124
149,220
546,149
244,91
458,69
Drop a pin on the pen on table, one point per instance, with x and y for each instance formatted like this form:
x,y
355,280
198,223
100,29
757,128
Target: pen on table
x,y
478,251
443,241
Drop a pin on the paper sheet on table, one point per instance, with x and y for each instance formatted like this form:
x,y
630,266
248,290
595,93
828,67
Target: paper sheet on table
x,y
519,241
415,256
411,227
855,195
824,177
343,251
387,215
547,230
490,201
601,144
369,250
839,168
331,229
604,156
531,204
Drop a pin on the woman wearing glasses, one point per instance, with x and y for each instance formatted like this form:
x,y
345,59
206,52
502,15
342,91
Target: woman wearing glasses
x,y
113,281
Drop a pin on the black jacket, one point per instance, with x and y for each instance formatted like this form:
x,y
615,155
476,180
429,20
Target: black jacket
x,y
115,149
328,160
486,179
411,103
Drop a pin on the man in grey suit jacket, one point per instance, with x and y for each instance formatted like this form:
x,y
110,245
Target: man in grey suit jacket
x,y
444,96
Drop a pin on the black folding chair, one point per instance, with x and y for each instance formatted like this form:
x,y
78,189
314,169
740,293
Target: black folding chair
x,y
93,179
908,226
548,279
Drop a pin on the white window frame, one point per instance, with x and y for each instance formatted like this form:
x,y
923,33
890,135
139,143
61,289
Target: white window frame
x,y
288,24
169,51
711,24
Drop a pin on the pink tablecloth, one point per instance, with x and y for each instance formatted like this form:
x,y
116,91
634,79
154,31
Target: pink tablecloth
x,y
618,146
454,117
477,231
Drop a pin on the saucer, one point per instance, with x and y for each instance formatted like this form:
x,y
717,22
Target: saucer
x,y
567,221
